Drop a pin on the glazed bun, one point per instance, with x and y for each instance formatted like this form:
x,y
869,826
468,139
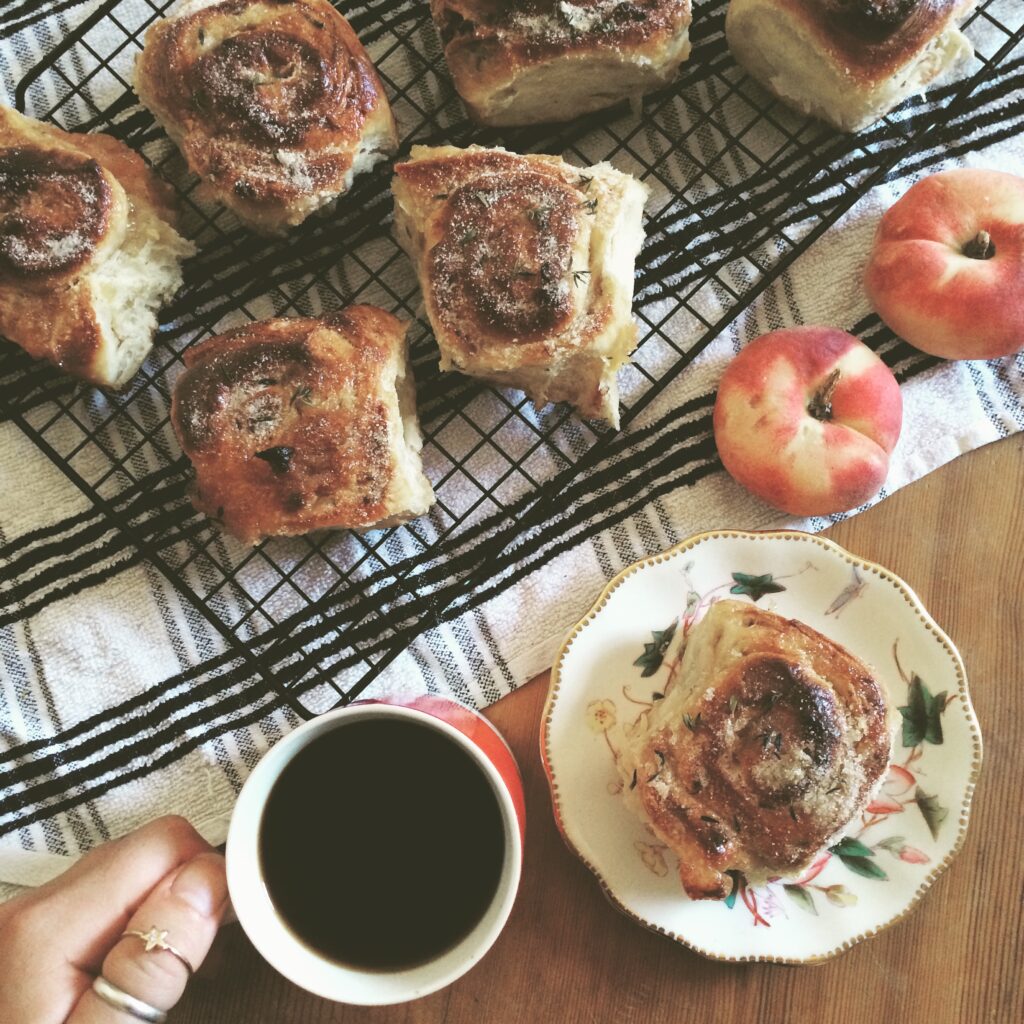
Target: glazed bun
x,y
275,106
545,60
88,253
526,266
295,425
848,62
770,740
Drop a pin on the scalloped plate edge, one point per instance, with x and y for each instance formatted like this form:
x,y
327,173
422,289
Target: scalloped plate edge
x,y
930,624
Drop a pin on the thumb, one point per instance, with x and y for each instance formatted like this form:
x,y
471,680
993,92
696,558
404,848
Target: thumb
x,y
177,924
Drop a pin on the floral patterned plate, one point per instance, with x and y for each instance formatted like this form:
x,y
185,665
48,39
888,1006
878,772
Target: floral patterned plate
x,y
610,670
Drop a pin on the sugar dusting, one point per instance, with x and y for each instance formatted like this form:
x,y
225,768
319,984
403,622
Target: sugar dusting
x,y
277,98
772,764
267,86
567,20
53,209
46,252
505,261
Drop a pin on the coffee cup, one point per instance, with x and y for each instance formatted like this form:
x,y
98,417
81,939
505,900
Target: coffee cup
x,y
375,852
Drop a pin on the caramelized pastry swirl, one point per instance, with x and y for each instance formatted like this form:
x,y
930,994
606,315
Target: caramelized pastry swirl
x,y
266,73
55,210
550,26
503,267
276,106
875,13
879,34
287,422
772,758
244,393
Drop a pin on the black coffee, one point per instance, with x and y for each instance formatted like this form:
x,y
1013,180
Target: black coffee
x,y
381,844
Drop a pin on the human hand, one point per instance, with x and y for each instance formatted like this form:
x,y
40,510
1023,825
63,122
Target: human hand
x,y
55,940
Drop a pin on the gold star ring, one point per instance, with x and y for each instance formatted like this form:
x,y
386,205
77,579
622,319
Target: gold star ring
x,y
156,938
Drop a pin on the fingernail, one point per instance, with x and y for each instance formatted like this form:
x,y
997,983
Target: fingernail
x,y
202,884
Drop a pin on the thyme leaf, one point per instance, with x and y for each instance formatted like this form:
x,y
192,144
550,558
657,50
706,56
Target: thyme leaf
x,y
654,652
540,214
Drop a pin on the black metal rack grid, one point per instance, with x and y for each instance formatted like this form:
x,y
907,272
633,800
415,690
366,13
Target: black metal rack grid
x,y
740,187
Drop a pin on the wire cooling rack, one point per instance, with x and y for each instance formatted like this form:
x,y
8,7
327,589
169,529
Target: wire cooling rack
x,y
741,186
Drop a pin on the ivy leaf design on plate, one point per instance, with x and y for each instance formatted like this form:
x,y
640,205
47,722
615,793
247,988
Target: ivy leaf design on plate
x,y
755,587
922,721
866,868
654,652
934,813
893,844
802,898
858,858
850,847
840,896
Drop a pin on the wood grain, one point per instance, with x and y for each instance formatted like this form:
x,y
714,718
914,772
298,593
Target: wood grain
x,y
568,955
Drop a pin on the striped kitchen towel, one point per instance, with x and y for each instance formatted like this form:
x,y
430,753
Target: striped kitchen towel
x,y
124,695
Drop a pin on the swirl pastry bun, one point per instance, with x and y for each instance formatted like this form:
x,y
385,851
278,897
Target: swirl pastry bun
x,y
769,741
275,106
88,253
526,267
848,62
550,60
295,425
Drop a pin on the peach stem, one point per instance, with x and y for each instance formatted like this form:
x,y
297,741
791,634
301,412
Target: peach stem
x,y
980,247
820,405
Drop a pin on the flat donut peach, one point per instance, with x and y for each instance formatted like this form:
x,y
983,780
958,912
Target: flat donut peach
x,y
947,269
806,419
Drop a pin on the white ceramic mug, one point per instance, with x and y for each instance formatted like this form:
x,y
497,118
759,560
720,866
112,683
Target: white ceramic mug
x,y
302,964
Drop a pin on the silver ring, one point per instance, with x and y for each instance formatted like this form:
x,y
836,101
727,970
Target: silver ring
x,y
156,938
113,996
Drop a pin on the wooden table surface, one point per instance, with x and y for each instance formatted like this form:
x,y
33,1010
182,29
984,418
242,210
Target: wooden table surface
x,y
568,955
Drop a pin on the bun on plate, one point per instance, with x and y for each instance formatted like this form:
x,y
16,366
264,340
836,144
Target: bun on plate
x,y
769,742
